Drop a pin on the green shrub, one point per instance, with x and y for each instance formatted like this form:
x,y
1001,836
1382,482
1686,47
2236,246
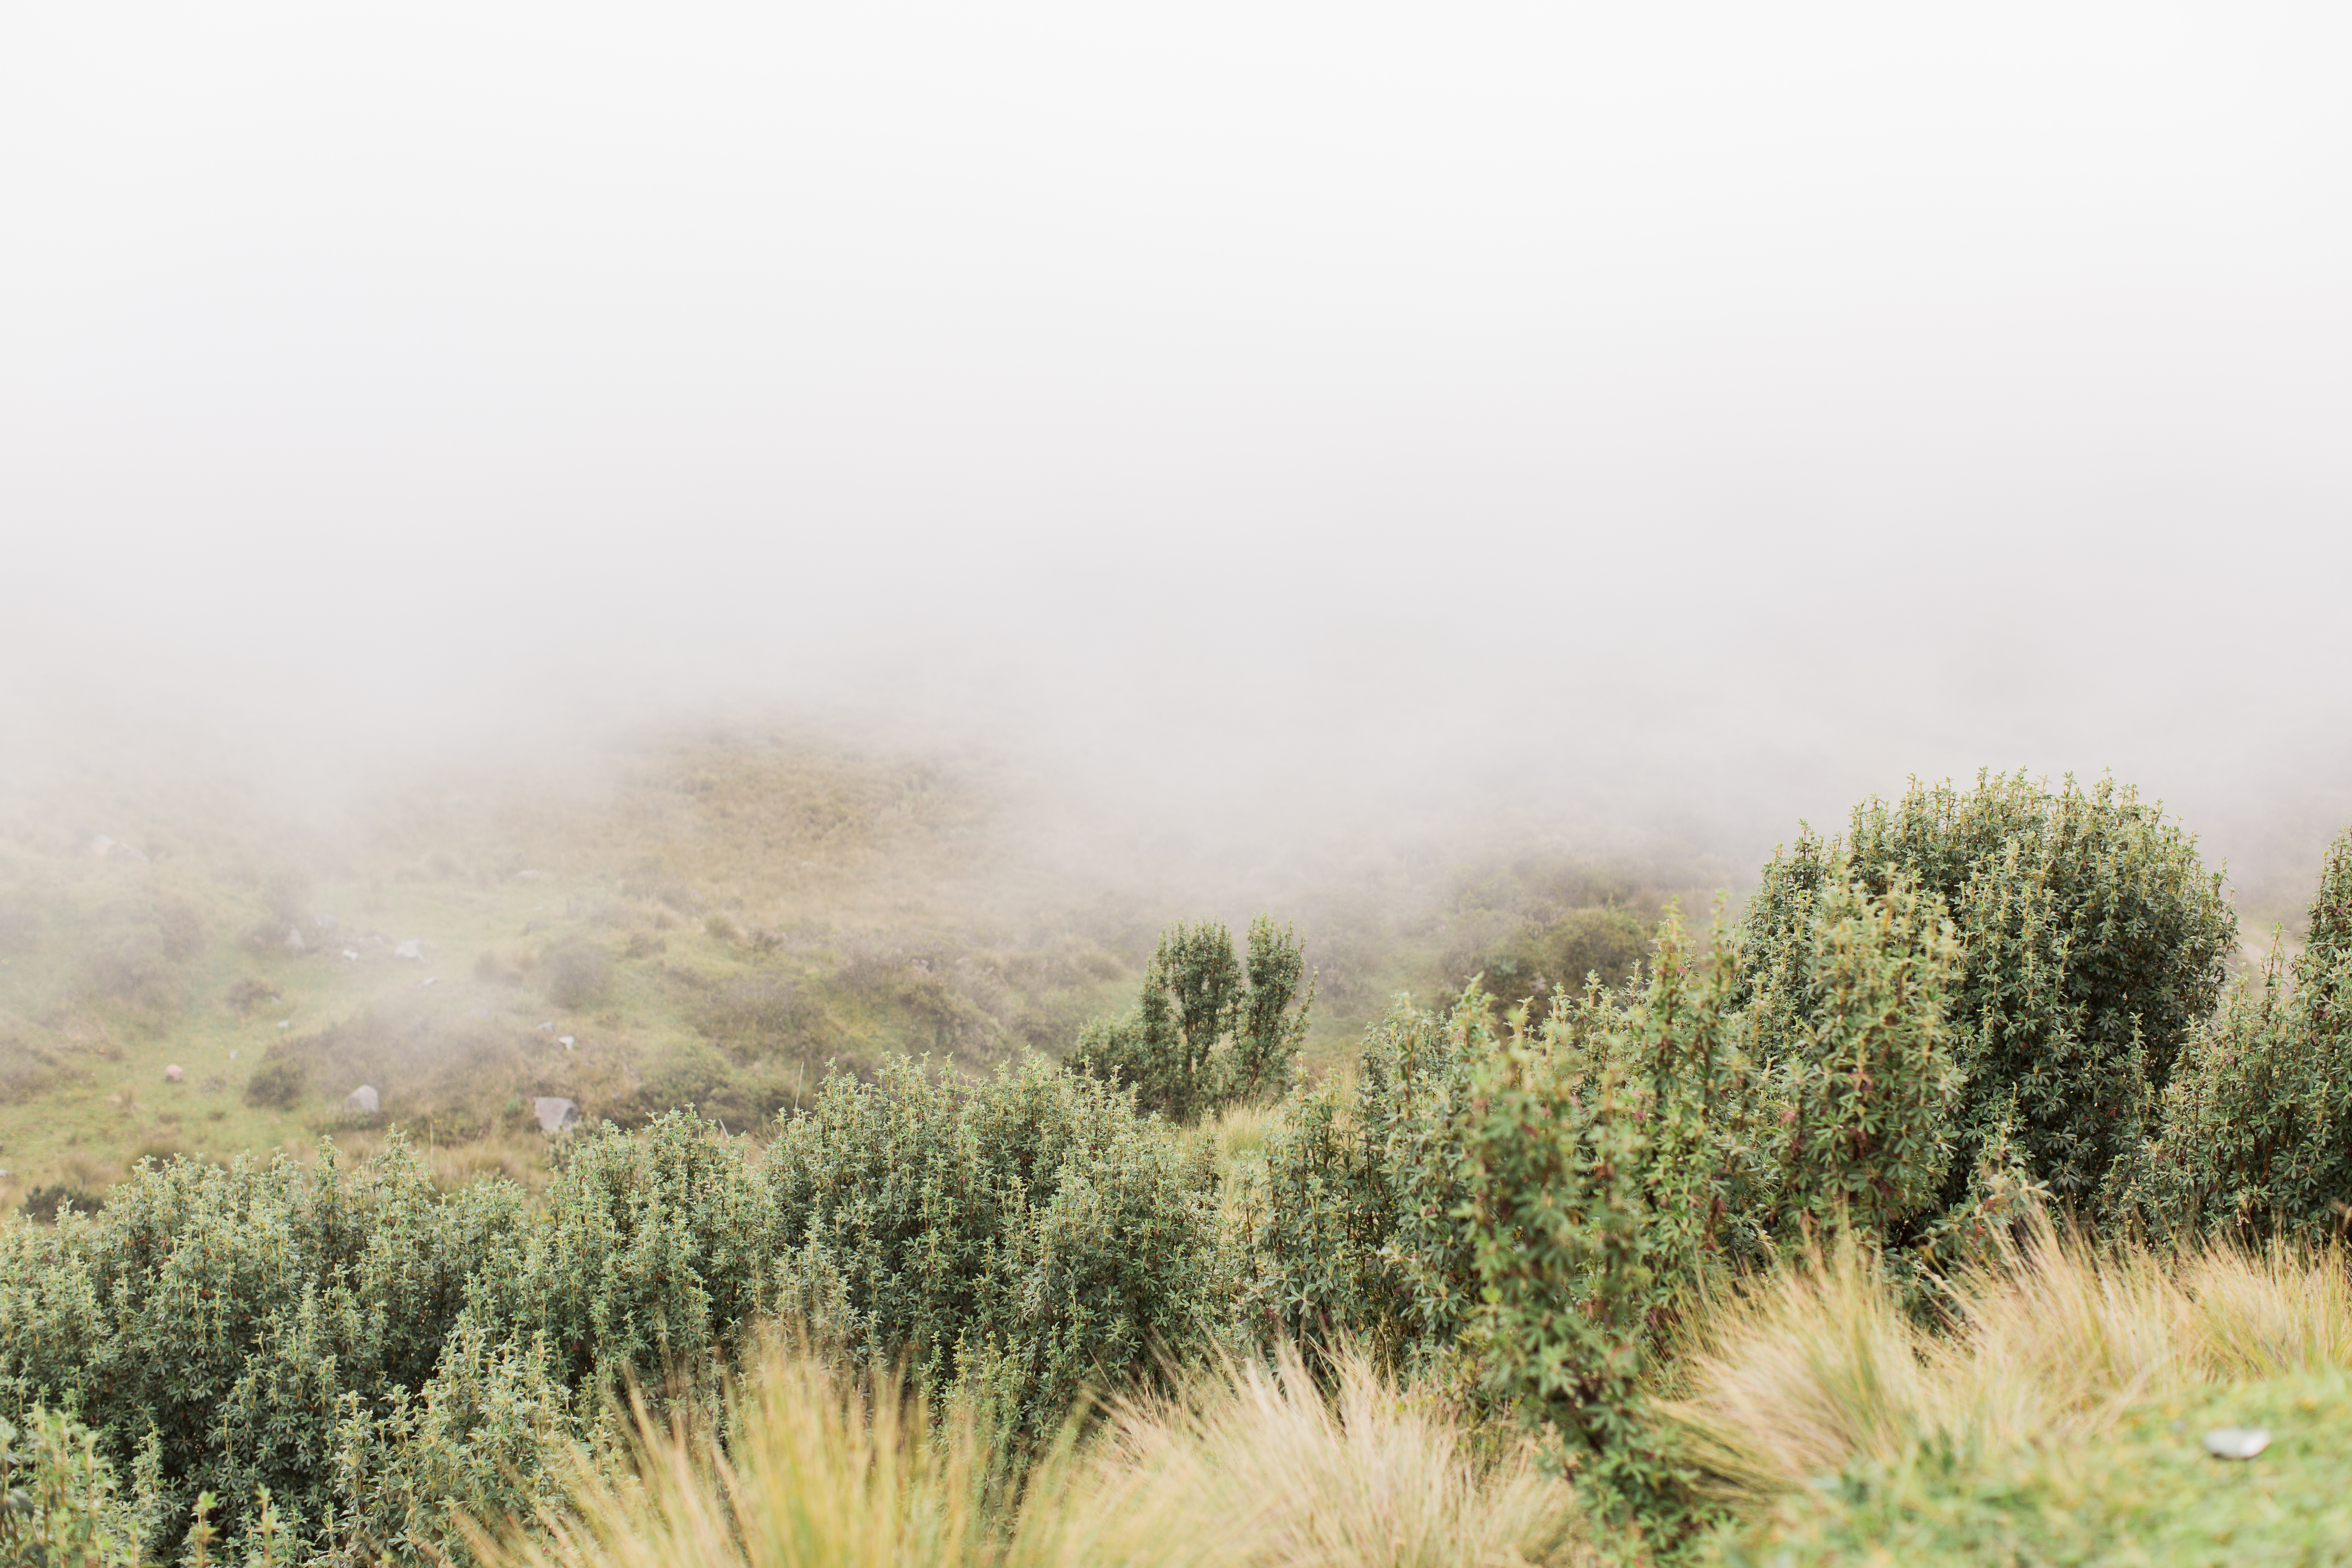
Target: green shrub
x,y
59,1503
2257,1121
42,1204
1208,1030
2092,941
239,1316
1647,1140
574,972
281,1079
373,1354
1352,1229
1025,1235
1848,1116
1535,962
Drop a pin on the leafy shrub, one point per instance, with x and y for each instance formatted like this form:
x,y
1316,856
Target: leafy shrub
x,y
1647,1138
1353,1232
374,1353
1024,1236
1848,1119
59,1506
2092,941
574,972
2257,1121
248,994
765,1014
1533,962
280,1082
252,1320
1208,1030
42,1204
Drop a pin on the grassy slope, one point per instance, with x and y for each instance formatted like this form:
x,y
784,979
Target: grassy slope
x,y
766,909
765,905
2145,1492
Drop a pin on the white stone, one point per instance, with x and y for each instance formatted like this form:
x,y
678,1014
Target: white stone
x,y
555,1115
363,1101
2236,1442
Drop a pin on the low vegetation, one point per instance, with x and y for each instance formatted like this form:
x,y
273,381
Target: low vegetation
x,y
1883,1216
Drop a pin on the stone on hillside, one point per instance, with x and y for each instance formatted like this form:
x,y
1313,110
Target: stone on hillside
x,y
363,1101
555,1115
412,950
294,943
172,1074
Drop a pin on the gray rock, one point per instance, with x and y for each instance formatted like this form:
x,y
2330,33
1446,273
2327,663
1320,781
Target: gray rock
x,y
555,1115
173,1074
363,1101
412,950
294,943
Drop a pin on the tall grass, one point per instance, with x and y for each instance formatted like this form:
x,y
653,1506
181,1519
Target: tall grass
x,y
2052,1344
1250,1466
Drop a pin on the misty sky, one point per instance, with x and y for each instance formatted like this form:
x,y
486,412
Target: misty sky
x,y
1722,410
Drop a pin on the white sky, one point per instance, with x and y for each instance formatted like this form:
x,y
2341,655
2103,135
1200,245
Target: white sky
x,y
1741,405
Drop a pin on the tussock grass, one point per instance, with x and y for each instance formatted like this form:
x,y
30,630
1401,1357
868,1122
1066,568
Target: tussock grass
x,y
2058,1342
1250,1466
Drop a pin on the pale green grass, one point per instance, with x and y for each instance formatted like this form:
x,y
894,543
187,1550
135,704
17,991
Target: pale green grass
x,y
1817,1368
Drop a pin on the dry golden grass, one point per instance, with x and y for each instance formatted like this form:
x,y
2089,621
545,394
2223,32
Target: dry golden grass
x,y
1252,1466
1812,1367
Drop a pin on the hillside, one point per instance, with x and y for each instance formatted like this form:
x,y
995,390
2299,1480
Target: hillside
x,y
709,922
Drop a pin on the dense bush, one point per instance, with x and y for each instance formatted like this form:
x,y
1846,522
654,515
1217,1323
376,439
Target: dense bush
x,y
373,1352
1209,1029
2257,1121
575,972
1533,963
1351,1226
248,1322
2092,941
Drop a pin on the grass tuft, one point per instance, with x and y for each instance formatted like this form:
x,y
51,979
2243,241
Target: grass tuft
x,y
1252,1466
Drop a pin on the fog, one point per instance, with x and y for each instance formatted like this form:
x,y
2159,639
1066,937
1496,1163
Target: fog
x,y
1291,420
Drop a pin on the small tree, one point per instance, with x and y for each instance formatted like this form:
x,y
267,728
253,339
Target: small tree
x,y
1206,1031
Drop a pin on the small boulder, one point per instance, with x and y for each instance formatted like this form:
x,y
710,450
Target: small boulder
x,y
555,1115
363,1101
294,943
412,950
173,1074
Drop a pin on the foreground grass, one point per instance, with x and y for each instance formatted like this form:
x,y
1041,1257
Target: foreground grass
x,y
2056,1416
2144,1490
1249,1465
